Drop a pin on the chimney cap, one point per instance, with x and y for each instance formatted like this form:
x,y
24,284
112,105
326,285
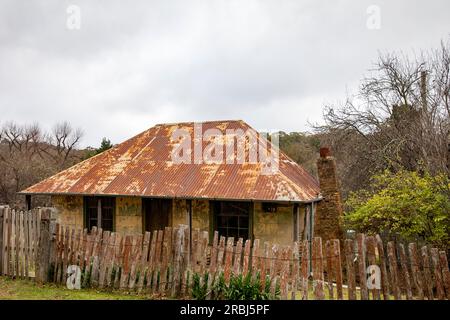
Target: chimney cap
x,y
325,152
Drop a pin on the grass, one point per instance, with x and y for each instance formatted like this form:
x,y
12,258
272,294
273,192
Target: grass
x,y
28,290
311,296
16,289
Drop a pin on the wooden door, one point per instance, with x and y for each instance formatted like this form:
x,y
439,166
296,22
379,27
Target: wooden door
x,y
156,213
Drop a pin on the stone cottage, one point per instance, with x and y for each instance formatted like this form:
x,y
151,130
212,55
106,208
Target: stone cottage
x,y
171,174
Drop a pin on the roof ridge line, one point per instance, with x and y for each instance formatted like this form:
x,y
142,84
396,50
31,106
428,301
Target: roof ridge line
x,y
207,121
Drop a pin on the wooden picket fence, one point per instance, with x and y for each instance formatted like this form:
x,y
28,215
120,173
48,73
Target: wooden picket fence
x,y
163,263
19,237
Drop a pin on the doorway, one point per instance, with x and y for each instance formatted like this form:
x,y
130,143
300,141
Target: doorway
x,y
156,213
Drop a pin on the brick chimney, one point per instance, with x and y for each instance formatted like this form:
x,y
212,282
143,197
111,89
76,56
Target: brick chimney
x,y
328,217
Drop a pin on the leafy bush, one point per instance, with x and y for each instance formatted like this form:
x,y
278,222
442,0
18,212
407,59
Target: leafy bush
x,y
240,287
414,206
199,288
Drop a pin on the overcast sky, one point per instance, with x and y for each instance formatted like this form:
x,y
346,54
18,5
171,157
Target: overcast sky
x,y
133,64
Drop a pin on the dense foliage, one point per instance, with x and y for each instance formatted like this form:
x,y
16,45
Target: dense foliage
x,y
413,206
240,287
301,147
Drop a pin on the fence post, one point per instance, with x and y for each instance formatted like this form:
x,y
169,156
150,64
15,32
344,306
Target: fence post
x,y
1,238
317,263
360,238
46,248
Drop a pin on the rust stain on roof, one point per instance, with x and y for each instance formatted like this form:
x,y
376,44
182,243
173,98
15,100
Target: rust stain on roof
x,y
143,166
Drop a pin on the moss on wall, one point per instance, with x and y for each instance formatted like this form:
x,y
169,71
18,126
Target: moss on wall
x,y
128,215
277,227
70,210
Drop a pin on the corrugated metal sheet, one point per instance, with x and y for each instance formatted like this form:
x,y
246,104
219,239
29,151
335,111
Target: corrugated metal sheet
x,y
142,166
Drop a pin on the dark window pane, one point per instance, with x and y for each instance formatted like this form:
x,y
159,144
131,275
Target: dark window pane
x,y
232,218
243,222
107,225
108,204
233,233
107,212
222,231
233,222
91,202
222,221
91,213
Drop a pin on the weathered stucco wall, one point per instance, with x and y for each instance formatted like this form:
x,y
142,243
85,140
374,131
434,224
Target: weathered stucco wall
x,y
200,214
128,219
128,215
70,210
276,227
179,213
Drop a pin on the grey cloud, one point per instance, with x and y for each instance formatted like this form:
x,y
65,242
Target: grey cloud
x,y
133,64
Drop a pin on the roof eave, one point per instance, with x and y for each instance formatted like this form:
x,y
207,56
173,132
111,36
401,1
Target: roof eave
x,y
317,199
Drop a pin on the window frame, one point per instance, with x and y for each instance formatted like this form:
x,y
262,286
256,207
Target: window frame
x,y
216,214
112,206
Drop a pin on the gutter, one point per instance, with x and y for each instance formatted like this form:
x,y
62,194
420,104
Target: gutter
x,y
317,199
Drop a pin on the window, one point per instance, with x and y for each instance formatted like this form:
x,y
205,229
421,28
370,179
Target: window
x,y
106,214
232,219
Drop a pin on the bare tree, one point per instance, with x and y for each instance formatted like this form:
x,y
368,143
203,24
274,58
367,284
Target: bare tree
x,y
398,119
28,155
64,138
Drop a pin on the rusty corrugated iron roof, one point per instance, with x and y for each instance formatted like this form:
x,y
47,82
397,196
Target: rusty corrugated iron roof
x,y
143,166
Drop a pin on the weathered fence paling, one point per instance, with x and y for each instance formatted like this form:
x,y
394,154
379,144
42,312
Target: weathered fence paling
x,y
19,239
33,245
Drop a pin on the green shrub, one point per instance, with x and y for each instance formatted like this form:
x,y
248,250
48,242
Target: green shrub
x,y
413,206
240,287
199,288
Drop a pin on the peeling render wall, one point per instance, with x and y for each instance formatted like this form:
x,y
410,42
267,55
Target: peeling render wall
x,y
180,212
128,219
200,215
276,227
128,215
70,210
